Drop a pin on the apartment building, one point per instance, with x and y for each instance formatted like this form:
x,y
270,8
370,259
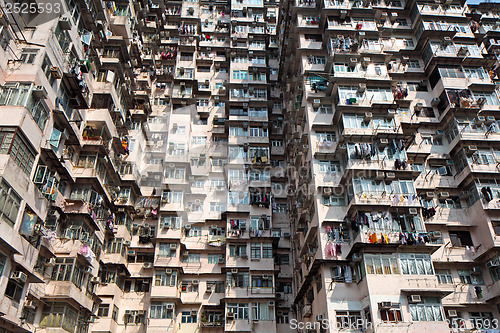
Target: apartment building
x,y
143,184
392,126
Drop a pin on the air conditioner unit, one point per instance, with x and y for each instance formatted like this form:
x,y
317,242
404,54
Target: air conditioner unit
x,y
452,313
471,149
439,134
131,253
147,265
444,194
51,262
210,288
368,116
379,175
447,41
19,276
481,101
418,106
435,235
327,191
385,305
271,303
495,262
390,175
316,103
187,226
221,260
230,316
40,92
463,51
480,120
490,120
279,295
135,226
65,23
343,14
435,101
166,225
405,60
366,61
170,306
353,62
195,282
168,271
391,113
415,299
128,313
55,72
356,257
383,142
320,317
234,270
430,194
361,88
306,311
265,277
413,211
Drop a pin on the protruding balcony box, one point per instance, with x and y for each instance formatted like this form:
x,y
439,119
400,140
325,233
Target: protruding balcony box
x,y
67,290
240,325
450,217
433,181
106,323
113,258
466,294
18,116
120,26
101,116
309,45
164,292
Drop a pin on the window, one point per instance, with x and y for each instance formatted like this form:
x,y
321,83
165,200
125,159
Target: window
x,y
255,250
391,315
460,238
414,64
444,276
103,310
381,264
191,258
188,317
262,311
21,94
59,315
167,250
467,276
164,279
334,201
237,250
239,310
9,203
189,287
416,264
282,318
13,142
28,56
161,310
429,309
347,319
482,320
14,290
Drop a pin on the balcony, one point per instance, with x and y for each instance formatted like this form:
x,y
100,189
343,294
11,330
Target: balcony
x,y
61,290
